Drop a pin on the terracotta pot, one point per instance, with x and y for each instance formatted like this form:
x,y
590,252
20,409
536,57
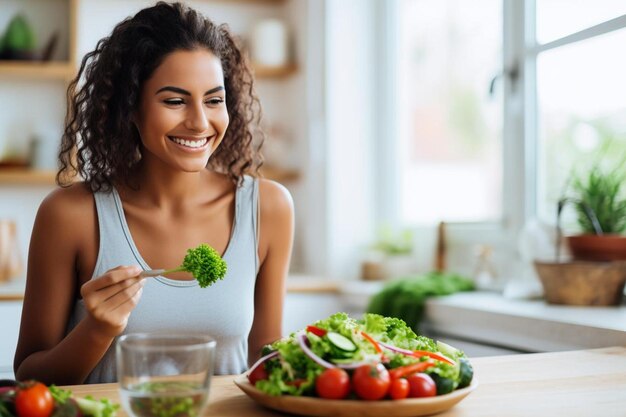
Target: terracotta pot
x,y
583,283
598,248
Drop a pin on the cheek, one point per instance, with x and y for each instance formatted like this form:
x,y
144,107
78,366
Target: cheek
x,y
222,121
156,124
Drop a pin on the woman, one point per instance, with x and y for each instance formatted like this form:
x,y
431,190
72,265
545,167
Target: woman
x,y
162,131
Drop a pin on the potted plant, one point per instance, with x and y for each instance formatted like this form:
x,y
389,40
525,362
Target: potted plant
x,y
392,256
599,199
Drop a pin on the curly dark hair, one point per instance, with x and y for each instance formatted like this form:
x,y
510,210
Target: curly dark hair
x,y
100,141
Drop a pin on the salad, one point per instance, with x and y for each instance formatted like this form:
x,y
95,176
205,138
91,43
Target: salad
x,y
373,358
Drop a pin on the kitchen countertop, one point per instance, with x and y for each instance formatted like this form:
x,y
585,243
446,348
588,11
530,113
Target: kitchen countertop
x,y
526,325
523,325
575,383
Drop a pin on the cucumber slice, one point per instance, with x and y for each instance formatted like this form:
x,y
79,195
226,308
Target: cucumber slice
x,y
447,350
466,373
341,342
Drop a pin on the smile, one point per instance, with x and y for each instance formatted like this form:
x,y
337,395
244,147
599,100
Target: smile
x,y
194,143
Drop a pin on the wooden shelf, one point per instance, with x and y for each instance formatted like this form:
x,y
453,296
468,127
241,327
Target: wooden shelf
x,y
53,70
25,176
261,71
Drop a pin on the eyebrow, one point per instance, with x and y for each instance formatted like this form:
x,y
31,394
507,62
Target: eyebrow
x,y
185,92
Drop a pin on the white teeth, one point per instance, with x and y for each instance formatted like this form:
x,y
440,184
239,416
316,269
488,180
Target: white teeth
x,y
190,143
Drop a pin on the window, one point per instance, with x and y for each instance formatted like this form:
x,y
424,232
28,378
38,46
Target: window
x,y
580,106
452,141
450,126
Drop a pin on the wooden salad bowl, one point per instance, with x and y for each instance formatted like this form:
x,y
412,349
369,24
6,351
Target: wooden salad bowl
x,y
310,406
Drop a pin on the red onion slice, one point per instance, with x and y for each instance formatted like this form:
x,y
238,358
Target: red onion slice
x,y
396,349
302,339
261,360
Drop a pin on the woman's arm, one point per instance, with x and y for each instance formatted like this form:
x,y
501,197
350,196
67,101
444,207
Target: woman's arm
x,y
275,246
65,224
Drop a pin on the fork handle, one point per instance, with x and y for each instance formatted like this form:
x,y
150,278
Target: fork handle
x,y
151,272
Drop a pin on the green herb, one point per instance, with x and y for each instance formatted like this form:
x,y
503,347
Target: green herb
x,y
88,405
601,193
204,263
405,298
60,395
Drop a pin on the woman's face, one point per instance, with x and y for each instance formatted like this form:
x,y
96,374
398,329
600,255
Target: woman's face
x,y
182,113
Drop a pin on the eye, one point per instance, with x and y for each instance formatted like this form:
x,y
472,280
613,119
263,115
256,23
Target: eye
x,y
215,101
174,101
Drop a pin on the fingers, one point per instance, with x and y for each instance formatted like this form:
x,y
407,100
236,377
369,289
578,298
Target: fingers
x,y
110,278
113,312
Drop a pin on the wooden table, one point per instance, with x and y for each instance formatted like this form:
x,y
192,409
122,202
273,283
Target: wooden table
x,y
578,383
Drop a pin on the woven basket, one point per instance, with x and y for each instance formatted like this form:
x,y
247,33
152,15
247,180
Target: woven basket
x,y
583,283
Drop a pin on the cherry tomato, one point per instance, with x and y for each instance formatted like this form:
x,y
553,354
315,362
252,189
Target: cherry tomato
x,y
371,382
258,374
33,399
333,383
421,385
399,389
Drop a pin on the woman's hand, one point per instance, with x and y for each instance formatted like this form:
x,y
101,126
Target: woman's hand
x,y
110,298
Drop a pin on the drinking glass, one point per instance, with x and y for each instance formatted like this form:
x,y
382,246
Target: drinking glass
x,y
165,375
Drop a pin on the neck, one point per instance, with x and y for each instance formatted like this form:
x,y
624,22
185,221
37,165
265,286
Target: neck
x,y
167,188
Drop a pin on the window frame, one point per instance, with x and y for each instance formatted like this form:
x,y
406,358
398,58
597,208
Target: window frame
x,y
520,138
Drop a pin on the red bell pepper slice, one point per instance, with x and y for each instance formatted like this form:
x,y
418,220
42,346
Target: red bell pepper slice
x,y
401,371
316,330
373,342
433,355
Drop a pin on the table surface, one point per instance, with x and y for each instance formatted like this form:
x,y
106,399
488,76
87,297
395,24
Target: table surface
x,y
574,383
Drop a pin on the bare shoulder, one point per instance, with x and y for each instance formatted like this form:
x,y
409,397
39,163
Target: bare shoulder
x,y
275,198
67,203
67,212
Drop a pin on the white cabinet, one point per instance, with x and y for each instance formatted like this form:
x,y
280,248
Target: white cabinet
x,y
10,314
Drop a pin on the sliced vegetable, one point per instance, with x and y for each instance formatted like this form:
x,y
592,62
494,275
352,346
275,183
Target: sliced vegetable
x,y
341,342
372,341
254,374
316,330
447,350
466,373
410,369
87,406
444,385
418,353
302,341
433,355
396,349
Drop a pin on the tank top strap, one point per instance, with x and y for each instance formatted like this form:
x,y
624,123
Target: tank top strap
x,y
113,243
247,213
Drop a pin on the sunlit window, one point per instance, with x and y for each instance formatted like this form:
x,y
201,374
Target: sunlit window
x,y
450,126
558,18
581,90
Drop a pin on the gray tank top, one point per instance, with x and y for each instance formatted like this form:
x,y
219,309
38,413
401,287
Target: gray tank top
x,y
224,310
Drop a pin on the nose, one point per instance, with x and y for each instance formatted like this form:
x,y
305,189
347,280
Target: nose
x,y
197,119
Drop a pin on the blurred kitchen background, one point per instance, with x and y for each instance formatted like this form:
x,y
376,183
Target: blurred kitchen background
x,y
414,136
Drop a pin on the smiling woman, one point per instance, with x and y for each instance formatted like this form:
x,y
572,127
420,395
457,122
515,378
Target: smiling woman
x,y
191,115
163,128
